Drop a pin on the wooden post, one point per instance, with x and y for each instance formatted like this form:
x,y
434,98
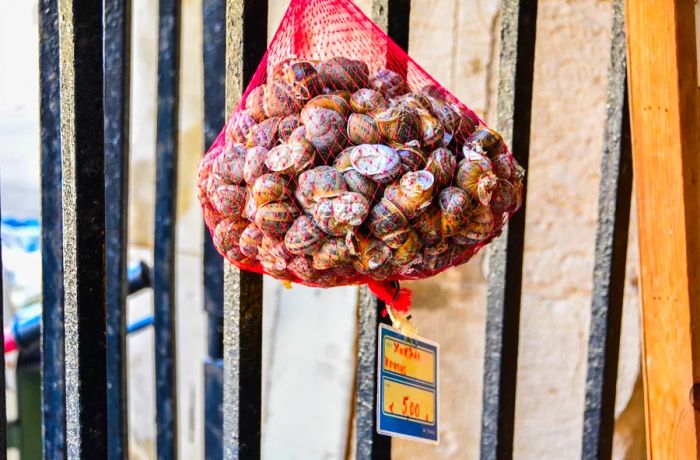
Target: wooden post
x,y
666,154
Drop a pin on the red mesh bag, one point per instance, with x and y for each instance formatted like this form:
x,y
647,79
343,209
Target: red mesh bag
x,y
346,163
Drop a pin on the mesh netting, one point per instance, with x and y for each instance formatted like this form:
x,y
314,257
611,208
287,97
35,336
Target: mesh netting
x,y
346,163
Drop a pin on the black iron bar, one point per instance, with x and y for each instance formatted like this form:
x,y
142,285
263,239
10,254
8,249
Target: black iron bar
x,y
214,57
246,31
82,149
518,30
610,255
53,401
165,220
117,48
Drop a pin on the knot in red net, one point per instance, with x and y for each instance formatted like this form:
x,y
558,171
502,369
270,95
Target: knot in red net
x,y
347,163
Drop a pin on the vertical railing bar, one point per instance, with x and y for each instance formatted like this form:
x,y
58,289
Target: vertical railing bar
x,y
246,40
53,402
3,410
214,58
610,256
165,220
117,48
518,30
82,149
393,17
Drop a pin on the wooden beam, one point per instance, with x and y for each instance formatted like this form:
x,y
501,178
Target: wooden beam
x,y
666,154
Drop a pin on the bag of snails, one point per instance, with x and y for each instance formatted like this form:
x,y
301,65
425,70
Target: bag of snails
x,y
347,163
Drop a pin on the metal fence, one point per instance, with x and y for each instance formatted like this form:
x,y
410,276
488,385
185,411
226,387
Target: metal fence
x,y
85,157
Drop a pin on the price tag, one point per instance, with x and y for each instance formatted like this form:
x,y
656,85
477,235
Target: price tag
x,y
407,386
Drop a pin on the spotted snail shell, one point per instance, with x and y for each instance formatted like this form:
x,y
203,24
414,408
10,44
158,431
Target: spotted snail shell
x,y
408,249
356,182
505,197
455,206
429,226
254,103
291,158
397,125
385,218
276,218
341,73
438,257
254,164
226,237
264,134
350,208
229,164
503,166
287,126
412,158
389,83
334,102
431,129
250,241
303,268
474,175
367,101
442,165
331,253
379,162
326,182
211,216
325,128
228,199
414,102
238,126
342,162
280,99
372,254
303,236
303,78
362,129
270,187
325,219
486,140
413,193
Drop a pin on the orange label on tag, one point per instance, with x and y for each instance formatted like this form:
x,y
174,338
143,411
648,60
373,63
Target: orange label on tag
x,y
407,359
409,402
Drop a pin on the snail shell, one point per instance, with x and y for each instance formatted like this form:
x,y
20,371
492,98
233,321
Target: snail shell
x,y
481,225
327,182
303,268
303,78
395,239
412,158
250,241
505,197
254,164
455,206
442,164
227,234
325,219
356,182
379,162
367,101
486,140
398,125
389,83
350,208
325,128
372,255
341,73
291,158
342,162
254,103
276,218
334,102
413,102
273,257
303,236
503,166
251,207
228,200
305,189
475,176
433,91
429,225
280,99
408,250
238,126
362,129
229,164
264,134
268,188
438,257
432,130
331,253
287,126
385,218
413,193
211,216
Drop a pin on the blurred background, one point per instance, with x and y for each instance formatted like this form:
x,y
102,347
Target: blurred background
x,y
309,334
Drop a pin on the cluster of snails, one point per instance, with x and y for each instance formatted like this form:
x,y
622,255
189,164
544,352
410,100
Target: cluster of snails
x,y
331,175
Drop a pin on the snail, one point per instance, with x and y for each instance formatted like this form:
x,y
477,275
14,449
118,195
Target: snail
x,y
270,187
350,208
395,239
379,162
442,165
332,253
454,206
326,182
412,158
303,78
250,241
302,267
280,99
414,102
362,129
413,193
325,218
429,226
432,131
229,164
372,255
251,207
398,125
485,140
341,73
367,101
433,91
334,102
474,175
503,166
238,126
505,197
385,218
254,103
264,134
254,164
303,236
325,129
363,185
291,158
408,249
228,200
273,256
211,216
481,225
342,162
276,218
389,83
438,257
226,236
287,126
